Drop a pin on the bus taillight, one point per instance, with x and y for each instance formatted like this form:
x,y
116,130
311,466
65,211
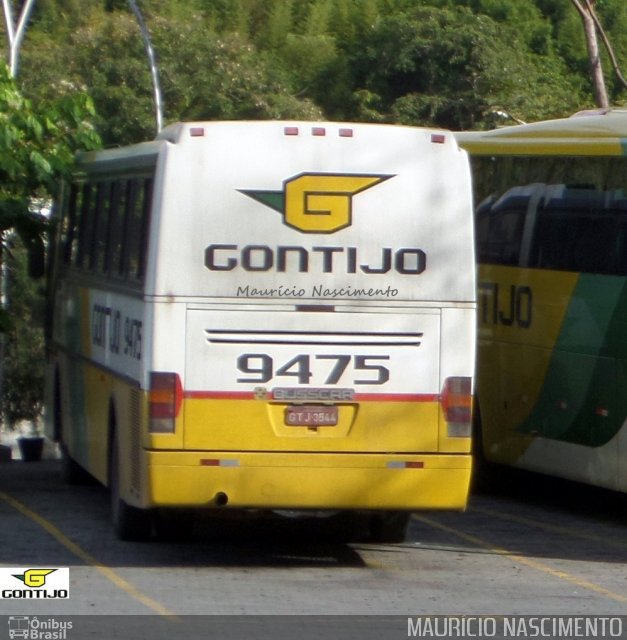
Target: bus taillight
x,y
165,398
456,401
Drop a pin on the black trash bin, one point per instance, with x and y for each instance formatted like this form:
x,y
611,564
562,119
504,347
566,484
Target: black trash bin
x,y
31,448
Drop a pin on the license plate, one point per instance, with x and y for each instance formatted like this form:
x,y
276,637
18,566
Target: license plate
x,y
311,416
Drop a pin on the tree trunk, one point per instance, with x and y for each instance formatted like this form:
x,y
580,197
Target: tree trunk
x,y
596,71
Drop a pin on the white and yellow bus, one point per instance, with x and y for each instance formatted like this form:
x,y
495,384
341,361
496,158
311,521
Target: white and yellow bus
x,y
268,315
552,295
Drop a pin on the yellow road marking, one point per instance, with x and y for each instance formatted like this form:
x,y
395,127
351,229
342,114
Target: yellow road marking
x,y
88,559
535,564
552,527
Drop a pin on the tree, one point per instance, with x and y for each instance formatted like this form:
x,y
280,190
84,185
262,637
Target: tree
x,y
586,11
443,62
448,66
37,146
592,27
24,352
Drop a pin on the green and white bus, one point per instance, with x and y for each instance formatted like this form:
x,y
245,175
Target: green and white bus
x,y
551,223
268,315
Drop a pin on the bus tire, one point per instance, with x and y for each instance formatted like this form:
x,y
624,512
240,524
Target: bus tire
x,y
71,472
483,471
129,523
389,526
174,525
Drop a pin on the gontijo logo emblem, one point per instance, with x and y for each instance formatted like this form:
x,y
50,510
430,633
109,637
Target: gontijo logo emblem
x,y
317,202
34,577
41,583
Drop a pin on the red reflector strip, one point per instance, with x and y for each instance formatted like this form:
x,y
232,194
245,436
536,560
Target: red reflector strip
x,y
401,464
438,138
359,397
290,131
197,132
346,133
213,462
318,131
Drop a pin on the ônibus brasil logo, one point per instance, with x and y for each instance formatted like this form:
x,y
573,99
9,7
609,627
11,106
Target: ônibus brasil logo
x,y
317,202
19,583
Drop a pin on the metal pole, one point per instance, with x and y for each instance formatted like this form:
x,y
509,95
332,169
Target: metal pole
x,y
16,33
153,65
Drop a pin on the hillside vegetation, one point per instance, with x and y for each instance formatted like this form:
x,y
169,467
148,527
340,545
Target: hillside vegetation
x,y
451,63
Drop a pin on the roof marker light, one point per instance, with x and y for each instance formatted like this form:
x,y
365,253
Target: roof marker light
x,y
438,138
290,131
197,132
318,131
346,133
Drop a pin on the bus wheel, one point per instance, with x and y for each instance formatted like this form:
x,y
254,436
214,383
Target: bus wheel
x,y
129,523
174,525
389,526
72,472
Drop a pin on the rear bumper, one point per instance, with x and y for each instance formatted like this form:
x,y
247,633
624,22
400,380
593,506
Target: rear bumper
x,y
307,481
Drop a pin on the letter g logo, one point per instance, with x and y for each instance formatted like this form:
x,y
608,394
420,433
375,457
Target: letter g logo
x,y
323,203
317,202
35,577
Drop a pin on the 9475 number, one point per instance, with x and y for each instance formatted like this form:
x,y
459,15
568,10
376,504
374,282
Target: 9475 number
x,y
261,368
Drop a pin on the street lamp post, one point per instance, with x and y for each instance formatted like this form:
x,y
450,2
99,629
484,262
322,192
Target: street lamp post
x,y
15,33
153,65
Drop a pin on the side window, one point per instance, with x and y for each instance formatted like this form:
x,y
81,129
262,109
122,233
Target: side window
x,y
115,236
105,227
136,228
500,230
574,233
85,226
69,224
101,227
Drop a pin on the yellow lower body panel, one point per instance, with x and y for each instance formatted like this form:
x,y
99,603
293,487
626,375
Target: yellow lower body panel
x,y
307,481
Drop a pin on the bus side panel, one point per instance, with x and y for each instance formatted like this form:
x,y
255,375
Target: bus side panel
x,y
96,392
520,314
557,405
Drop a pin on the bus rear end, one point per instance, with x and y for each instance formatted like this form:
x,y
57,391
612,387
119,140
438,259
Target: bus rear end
x,y
312,319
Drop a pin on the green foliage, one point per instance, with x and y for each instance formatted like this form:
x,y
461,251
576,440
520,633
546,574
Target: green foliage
x,y
37,146
23,343
450,67
443,62
222,77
